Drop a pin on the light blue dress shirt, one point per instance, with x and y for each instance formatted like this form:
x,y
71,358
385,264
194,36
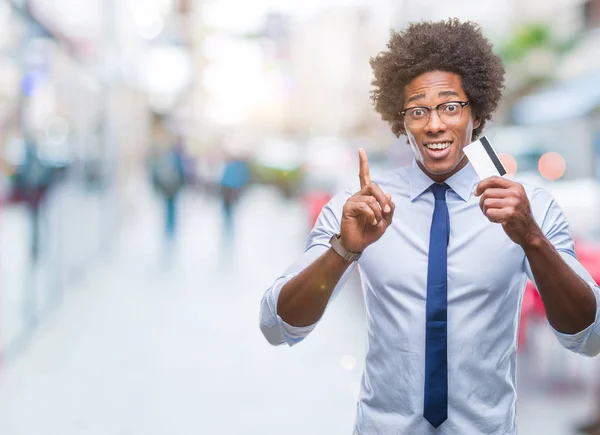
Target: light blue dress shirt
x,y
487,274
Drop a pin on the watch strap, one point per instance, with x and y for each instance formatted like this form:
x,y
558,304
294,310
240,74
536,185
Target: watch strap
x,y
343,252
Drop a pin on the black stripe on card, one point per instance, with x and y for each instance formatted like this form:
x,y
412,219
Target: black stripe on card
x,y
490,151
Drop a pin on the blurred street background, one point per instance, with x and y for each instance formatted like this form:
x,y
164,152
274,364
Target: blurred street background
x,y
162,163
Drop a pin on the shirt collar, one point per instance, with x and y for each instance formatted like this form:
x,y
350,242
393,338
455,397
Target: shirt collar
x,y
463,182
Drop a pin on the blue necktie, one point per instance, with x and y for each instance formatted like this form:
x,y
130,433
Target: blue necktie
x,y
436,351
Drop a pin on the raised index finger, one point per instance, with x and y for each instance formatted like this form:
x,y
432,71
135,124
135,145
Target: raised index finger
x,y
363,172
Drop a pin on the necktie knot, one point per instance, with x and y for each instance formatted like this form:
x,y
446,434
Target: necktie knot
x,y
439,191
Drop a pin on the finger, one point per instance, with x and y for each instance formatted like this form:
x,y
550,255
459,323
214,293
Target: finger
x,y
374,206
494,181
495,192
359,207
497,215
367,212
388,217
363,172
391,203
376,191
505,197
487,203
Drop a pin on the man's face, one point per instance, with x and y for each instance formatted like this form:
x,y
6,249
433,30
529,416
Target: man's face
x,y
438,145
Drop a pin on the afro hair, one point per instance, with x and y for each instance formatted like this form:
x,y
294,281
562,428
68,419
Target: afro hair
x,y
450,46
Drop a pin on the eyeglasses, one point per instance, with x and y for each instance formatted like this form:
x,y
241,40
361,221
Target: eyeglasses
x,y
449,112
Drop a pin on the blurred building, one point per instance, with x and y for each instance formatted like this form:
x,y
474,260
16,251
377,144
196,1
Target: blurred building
x,y
81,82
561,113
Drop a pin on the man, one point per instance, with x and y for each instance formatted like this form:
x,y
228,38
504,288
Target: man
x,y
444,280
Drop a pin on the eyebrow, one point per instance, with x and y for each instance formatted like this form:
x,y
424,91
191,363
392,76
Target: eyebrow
x,y
441,94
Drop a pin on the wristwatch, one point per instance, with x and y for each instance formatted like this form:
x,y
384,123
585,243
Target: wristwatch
x,y
343,252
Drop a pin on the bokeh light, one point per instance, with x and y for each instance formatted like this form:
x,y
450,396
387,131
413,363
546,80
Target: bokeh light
x,y
348,362
509,162
552,166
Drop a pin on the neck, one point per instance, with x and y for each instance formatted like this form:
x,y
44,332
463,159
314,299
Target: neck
x,y
440,178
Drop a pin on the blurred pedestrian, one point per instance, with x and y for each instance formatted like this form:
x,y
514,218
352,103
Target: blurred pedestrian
x,y
234,180
443,282
168,175
33,179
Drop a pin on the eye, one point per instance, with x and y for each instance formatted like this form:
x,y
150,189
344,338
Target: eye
x,y
417,113
451,108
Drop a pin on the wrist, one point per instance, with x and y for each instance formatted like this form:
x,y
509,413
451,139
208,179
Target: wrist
x,y
348,245
339,247
534,239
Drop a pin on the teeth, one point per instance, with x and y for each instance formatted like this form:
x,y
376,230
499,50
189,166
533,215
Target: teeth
x,y
438,146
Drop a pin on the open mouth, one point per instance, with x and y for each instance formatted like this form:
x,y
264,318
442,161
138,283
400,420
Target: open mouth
x,y
438,150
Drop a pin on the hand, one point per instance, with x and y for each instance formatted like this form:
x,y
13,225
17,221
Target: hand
x,y
505,202
367,213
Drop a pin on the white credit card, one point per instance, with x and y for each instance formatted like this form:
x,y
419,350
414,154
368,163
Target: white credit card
x,y
484,159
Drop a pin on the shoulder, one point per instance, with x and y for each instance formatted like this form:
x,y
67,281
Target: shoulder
x,y
544,207
538,196
395,178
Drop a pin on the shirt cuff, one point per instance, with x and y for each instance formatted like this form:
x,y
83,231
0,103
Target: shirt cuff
x,y
586,341
291,334
273,327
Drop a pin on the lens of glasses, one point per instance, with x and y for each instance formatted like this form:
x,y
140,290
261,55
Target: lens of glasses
x,y
449,113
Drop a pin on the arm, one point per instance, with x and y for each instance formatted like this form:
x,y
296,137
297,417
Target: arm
x,y
293,306
569,293
303,299
273,327
569,301
272,324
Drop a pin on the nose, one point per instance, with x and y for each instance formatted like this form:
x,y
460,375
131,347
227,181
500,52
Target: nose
x,y
435,124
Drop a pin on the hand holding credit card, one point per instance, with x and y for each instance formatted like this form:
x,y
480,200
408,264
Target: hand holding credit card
x,y
484,158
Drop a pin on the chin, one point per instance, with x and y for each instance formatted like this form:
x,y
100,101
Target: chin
x,y
444,166
440,168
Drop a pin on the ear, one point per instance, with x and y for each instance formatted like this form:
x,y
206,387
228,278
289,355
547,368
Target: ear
x,y
476,123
